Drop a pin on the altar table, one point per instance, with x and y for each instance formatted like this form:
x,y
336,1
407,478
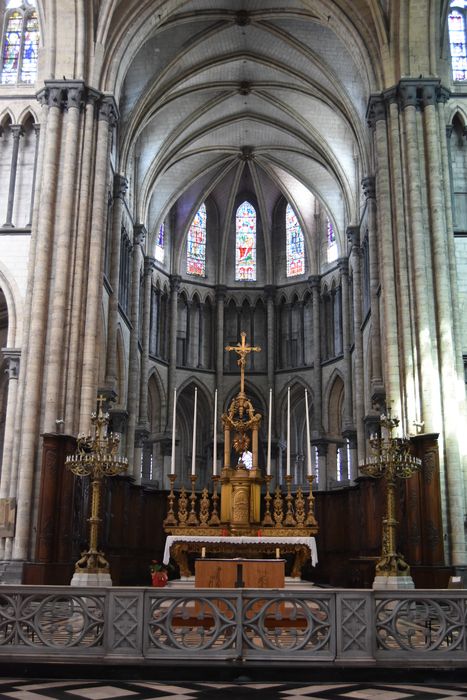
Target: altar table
x,y
179,546
255,573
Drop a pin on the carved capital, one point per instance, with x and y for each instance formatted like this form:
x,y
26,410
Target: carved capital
x,y
353,236
376,110
141,435
17,131
322,446
75,96
221,291
315,282
120,186
175,281
107,110
369,186
270,291
139,234
149,265
118,419
343,265
12,356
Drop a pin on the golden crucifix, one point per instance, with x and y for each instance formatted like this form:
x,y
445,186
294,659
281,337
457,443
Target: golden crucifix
x,y
242,350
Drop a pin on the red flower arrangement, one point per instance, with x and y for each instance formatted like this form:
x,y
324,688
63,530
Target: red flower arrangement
x,y
159,576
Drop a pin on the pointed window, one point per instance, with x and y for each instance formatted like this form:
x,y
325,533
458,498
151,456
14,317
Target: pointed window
x,y
196,246
159,251
331,239
295,244
245,243
20,43
457,39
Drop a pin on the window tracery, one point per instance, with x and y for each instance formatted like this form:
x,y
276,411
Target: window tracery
x,y
196,246
245,243
294,244
20,41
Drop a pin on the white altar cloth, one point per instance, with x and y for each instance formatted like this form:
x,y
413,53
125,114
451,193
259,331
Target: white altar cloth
x,y
310,542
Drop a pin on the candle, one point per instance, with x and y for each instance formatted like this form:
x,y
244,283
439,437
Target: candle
x,y
288,431
193,448
214,447
172,463
278,553
268,461
308,446
203,552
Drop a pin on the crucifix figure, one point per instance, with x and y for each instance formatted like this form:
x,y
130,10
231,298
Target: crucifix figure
x,y
242,350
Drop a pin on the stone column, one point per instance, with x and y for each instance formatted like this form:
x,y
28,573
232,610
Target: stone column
x,y
64,241
175,281
317,430
106,121
149,266
119,192
39,285
452,400
17,131
37,131
377,386
220,299
139,237
348,423
12,355
353,235
270,291
390,341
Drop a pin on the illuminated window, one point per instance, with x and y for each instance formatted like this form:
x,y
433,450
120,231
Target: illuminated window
x,y
245,243
294,243
159,251
20,43
331,239
196,247
457,39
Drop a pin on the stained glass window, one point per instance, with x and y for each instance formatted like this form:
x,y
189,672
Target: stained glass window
x,y
159,251
457,39
20,43
332,243
295,244
196,248
245,242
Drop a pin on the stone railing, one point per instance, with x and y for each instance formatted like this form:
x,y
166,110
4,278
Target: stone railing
x,y
321,627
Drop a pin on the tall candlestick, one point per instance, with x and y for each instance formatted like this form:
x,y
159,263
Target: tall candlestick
x,y
214,447
193,448
268,460
308,446
174,416
288,431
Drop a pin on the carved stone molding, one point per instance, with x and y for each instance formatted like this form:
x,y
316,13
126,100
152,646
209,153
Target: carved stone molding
x,y
149,265
120,186
353,236
12,356
369,186
175,281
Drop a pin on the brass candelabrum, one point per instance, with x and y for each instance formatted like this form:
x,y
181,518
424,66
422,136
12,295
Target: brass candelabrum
x,y
96,456
391,460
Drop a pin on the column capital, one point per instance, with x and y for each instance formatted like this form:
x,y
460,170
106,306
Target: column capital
x,y
141,435
175,282
353,236
17,131
149,265
369,186
221,291
118,418
315,282
350,434
376,110
37,128
139,234
120,186
322,446
12,356
107,109
343,265
270,291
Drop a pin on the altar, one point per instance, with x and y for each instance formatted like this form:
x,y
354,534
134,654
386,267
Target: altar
x,y
179,547
244,515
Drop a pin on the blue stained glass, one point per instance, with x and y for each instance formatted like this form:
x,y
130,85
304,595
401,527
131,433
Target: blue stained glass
x,y
245,242
20,45
331,235
457,40
196,245
11,48
159,251
30,45
295,244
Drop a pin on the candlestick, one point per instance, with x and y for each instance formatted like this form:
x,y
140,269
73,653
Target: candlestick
x,y
172,462
214,447
268,460
308,446
193,448
288,431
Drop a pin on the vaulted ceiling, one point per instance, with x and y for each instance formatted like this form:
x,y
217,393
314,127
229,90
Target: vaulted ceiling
x,y
215,93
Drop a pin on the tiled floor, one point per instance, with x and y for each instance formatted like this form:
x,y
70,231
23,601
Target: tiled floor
x,y
147,690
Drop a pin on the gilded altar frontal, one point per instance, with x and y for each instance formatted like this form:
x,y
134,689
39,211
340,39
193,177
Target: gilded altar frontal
x,y
233,293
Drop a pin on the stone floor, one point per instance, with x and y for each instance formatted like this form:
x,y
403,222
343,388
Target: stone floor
x,y
248,690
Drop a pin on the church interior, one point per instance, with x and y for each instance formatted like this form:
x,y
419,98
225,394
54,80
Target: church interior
x,y
175,174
